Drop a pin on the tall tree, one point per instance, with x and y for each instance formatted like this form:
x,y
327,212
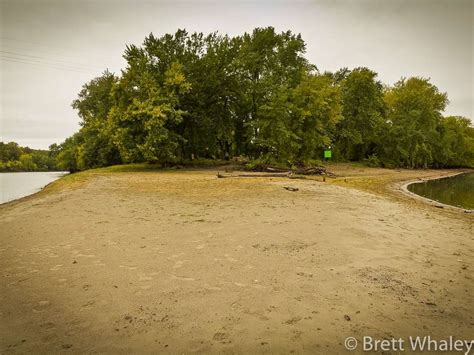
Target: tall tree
x,y
93,105
414,114
363,113
455,147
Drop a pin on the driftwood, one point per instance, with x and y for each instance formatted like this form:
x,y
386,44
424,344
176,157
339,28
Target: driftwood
x,y
273,171
313,170
219,175
266,168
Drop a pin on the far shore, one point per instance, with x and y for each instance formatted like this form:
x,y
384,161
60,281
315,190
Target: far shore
x,y
135,260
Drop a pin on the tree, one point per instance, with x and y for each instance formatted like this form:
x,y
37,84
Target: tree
x,y
10,151
455,147
144,116
269,64
27,162
93,104
68,157
317,108
363,112
414,115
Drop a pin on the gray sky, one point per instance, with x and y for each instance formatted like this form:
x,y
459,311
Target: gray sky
x,y
49,48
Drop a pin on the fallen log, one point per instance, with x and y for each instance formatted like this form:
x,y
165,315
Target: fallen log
x,y
266,168
285,175
312,170
288,175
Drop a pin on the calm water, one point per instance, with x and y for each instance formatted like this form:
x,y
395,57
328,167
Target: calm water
x,y
16,185
456,191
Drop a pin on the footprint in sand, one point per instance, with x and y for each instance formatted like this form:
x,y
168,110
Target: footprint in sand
x,y
221,337
292,321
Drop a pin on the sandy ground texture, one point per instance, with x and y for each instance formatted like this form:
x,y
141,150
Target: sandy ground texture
x,y
181,261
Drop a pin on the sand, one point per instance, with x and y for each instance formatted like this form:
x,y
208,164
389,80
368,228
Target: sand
x,y
180,261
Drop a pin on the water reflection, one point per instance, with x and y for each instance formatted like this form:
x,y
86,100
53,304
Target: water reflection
x,y
456,191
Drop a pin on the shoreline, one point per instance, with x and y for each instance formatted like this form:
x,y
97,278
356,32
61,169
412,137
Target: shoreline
x,y
404,189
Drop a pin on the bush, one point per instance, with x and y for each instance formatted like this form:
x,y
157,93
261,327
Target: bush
x,y
373,161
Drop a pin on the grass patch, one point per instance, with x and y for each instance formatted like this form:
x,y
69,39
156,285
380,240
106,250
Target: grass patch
x,y
145,167
125,168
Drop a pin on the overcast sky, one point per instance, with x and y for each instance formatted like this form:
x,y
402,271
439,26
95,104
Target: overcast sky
x,y
50,48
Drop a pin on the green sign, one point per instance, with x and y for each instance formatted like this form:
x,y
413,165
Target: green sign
x,y
327,154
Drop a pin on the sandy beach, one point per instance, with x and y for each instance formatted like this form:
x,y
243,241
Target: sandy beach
x,y
180,261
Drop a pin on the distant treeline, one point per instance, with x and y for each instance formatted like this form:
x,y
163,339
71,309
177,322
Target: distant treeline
x,y
16,158
188,96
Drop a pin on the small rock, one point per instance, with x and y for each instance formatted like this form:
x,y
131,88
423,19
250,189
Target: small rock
x,y
347,318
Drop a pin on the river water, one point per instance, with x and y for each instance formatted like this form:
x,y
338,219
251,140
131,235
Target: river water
x,y
17,185
455,191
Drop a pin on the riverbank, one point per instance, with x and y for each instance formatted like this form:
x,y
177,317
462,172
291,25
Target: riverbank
x,y
181,261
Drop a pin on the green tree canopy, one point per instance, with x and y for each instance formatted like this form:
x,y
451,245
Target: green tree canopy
x,y
183,96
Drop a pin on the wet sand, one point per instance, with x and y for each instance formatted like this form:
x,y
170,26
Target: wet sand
x,y
180,261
